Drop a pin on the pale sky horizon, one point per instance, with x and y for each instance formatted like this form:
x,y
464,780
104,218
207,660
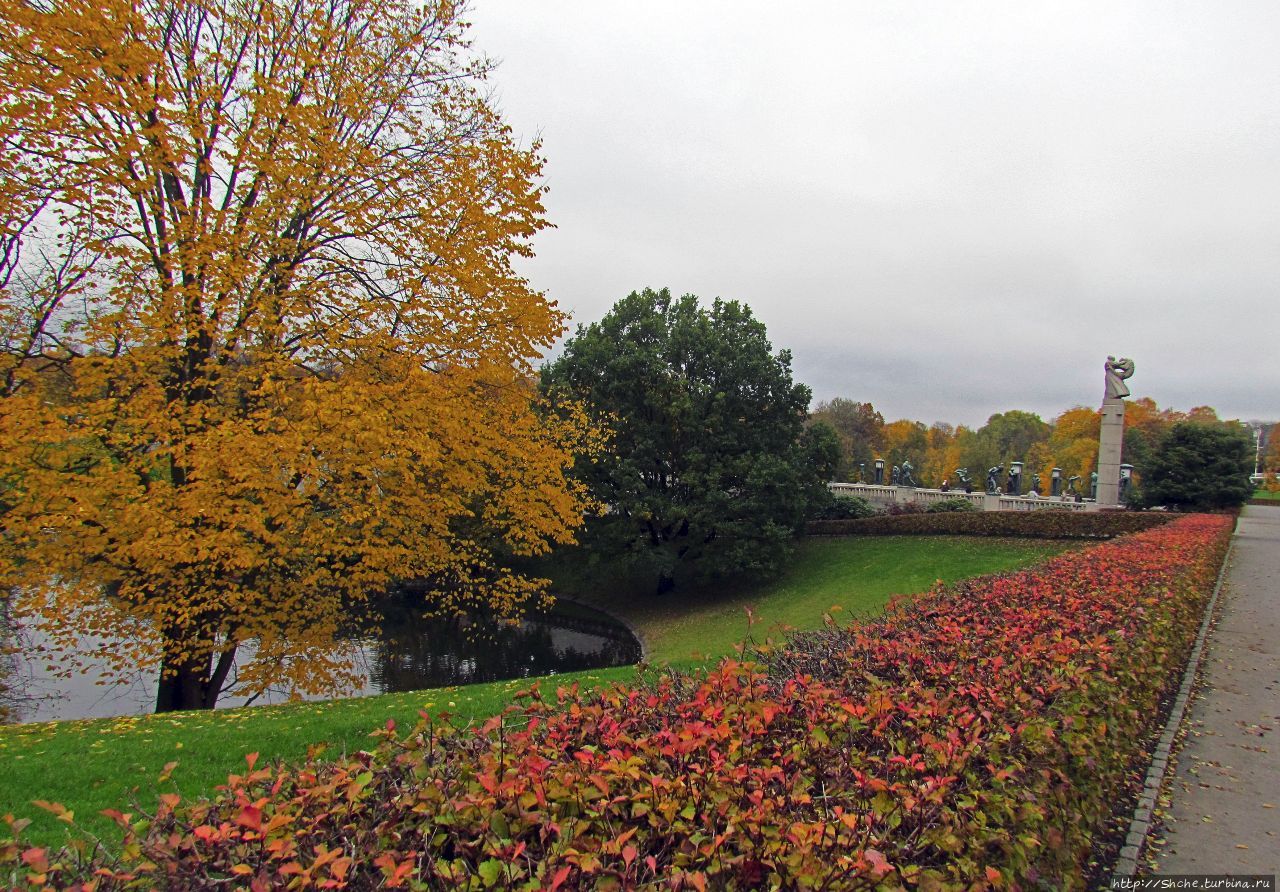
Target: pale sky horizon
x,y
948,210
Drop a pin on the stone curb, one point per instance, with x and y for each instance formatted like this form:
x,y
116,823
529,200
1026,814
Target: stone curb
x,y
626,624
1140,825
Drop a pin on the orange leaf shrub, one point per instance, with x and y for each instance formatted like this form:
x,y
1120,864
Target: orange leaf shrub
x,y
975,737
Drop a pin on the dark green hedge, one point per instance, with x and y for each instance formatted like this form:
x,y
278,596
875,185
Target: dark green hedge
x,y
1047,524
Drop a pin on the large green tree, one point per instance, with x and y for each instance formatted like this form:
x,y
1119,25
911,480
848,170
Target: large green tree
x,y
1200,467
711,468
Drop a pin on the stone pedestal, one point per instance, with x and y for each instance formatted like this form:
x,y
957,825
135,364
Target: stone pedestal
x,y
1110,443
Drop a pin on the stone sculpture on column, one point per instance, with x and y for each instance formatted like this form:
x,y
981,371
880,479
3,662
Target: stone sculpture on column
x,y
1111,437
1014,486
1117,371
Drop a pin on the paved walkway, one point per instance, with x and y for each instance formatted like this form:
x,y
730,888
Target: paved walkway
x,y
1225,813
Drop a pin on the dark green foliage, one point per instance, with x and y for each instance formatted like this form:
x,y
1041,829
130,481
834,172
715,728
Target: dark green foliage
x,y
821,446
1140,442
709,471
951,505
1046,524
1199,467
1013,433
1006,437
847,508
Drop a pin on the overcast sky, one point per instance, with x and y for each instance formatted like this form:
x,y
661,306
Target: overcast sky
x,y
949,209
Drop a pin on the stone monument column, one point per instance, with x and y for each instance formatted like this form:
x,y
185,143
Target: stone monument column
x,y
1111,439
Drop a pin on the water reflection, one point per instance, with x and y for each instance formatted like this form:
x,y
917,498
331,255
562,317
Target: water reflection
x,y
415,652
409,652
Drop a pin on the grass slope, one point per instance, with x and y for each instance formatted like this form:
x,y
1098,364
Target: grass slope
x,y
110,763
855,575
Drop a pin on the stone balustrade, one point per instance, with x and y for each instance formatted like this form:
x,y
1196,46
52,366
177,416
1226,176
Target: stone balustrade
x,y
904,495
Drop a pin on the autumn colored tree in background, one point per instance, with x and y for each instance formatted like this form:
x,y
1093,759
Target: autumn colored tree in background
x,y
1271,449
264,349
860,430
904,441
1073,443
1069,442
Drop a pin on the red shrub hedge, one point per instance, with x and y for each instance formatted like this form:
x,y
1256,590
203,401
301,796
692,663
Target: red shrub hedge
x,y
976,737
1044,524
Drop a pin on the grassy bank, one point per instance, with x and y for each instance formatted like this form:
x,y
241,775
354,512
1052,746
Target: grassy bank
x,y
855,575
104,763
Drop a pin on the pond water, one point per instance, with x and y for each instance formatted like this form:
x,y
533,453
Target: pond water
x,y
410,652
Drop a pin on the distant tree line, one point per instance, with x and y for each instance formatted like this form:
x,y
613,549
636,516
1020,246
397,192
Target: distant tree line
x,y
1068,442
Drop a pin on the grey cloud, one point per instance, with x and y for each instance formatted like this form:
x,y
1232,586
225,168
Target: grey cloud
x,y
947,209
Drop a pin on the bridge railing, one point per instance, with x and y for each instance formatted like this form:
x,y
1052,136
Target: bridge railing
x,y
881,495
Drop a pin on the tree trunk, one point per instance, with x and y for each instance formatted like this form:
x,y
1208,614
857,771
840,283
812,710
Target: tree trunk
x,y
185,681
182,685
666,582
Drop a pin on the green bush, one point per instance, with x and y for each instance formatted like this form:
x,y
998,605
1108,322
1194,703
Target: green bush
x,y
951,505
847,508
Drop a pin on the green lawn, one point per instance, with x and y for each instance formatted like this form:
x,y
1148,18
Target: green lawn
x,y
1268,496
856,575
105,763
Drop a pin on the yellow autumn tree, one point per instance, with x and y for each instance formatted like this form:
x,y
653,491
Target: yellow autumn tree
x,y
942,457
904,440
1271,460
265,350
1073,444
